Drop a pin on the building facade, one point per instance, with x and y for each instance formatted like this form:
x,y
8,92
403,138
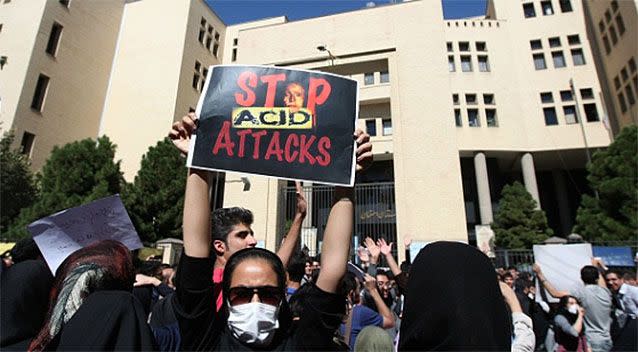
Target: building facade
x,y
456,108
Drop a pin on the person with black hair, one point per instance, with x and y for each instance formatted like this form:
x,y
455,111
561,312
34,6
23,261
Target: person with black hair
x,y
255,315
568,326
294,272
595,298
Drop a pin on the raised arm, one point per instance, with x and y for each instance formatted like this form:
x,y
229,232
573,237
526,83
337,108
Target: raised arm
x,y
338,232
386,250
290,242
196,218
384,311
598,263
548,286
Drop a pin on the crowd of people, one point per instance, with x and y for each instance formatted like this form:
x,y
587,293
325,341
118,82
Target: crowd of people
x,y
228,295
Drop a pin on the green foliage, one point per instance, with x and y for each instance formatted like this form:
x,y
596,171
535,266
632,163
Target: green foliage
x,y
517,224
17,184
74,174
613,174
155,201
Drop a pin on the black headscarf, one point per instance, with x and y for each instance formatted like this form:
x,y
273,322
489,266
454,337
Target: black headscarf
x,y
453,302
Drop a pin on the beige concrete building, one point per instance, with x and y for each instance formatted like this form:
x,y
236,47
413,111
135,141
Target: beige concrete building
x,y
456,108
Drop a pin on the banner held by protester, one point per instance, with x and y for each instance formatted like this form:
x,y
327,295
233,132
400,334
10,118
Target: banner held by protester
x,y
291,124
63,233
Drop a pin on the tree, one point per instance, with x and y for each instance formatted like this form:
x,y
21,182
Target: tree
x,y
155,200
17,184
74,174
518,224
613,175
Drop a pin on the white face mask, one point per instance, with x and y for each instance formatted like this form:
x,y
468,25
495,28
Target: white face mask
x,y
530,295
573,308
254,322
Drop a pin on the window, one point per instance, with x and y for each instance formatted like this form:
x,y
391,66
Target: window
x,y
484,65
554,42
614,5
488,99
470,99
616,83
566,95
234,56
570,114
385,76
472,118
608,16
202,33
621,101
371,127
208,41
480,46
466,63
547,97
528,10
26,145
573,39
630,94
578,57
202,22
550,116
450,47
559,59
198,65
612,34
620,24
591,113
539,61
65,3
587,93
548,10
536,44
215,49
210,29
464,46
606,43
54,39
457,118
451,67
601,26
387,127
204,74
490,117
624,74
455,99
40,93
235,41
368,78
565,5
632,65
196,81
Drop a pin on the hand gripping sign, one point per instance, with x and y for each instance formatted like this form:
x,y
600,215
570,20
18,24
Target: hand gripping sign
x,y
284,123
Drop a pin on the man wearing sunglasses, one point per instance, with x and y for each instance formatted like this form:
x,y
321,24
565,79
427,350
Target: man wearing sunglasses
x,y
255,314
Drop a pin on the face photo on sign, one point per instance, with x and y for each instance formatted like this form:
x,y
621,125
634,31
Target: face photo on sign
x,y
294,98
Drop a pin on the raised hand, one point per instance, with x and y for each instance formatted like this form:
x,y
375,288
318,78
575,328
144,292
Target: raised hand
x,y
407,241
364,150
363,254
373,249
181,131
302,204
386,249
370,283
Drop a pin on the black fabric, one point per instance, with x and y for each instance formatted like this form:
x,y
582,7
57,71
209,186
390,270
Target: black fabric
x,y
453,302
24,297
569,342
203,329
106,321
165,326
540,322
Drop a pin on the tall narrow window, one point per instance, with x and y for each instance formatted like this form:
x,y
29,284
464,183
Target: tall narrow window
x,y
559,59
371,127
368,78
451,67
473,118
606,43
548,10
528,10
202,33
621,102
632,65
450,47
570,114
234,56
455,99
591,113
26,145
466,63
387,127
384,76
490,117
565,5
215,49
620,24
614,5
40,93
616,82
208,41
550,116
630,94
578,57
484,65
54,39
539,61
612,35
457,118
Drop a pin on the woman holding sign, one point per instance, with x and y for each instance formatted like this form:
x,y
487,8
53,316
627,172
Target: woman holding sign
x,y
255,314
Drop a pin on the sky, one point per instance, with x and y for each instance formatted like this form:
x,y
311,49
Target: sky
x,y
238,11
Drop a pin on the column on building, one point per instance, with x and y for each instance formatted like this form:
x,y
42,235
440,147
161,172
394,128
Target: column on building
x,y
529,177
483,189
562,202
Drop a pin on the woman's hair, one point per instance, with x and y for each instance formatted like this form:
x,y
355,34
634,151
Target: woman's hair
x,y
256,254
373,339
104,265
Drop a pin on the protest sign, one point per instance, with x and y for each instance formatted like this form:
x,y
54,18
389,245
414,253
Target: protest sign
x,y
284,123
561,264
63,233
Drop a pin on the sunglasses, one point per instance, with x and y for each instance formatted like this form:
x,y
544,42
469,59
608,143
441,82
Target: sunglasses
x,y
270,295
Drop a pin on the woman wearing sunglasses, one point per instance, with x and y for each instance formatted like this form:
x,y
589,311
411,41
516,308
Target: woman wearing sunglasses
x,y
255,315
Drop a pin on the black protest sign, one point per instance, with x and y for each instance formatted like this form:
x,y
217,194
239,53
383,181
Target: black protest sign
x,y
285,123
